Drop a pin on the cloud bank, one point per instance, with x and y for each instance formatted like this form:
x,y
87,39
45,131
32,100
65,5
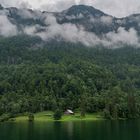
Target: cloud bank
x,y
6,27
77,34
68,32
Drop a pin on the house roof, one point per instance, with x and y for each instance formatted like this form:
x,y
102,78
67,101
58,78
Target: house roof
x,y
70,111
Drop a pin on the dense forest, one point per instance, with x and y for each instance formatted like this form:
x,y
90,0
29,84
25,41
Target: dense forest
x,y
37,76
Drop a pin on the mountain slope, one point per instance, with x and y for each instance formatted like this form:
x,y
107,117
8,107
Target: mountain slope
x,y
91,19
61,75
39,73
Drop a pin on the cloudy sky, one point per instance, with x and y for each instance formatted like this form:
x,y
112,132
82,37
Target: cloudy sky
x,y
118,8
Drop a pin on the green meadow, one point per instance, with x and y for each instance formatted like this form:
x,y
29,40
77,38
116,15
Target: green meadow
x,y
48,116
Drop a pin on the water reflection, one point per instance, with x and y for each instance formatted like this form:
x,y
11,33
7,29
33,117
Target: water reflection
x,y
100,130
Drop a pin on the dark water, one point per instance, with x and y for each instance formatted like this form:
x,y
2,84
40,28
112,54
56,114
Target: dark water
x,y
100,130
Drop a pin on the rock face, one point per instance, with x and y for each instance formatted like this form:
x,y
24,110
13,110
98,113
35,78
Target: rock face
x,y
1,7
91,19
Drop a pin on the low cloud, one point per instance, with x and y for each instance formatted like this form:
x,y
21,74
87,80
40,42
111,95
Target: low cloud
x,y
129,37
6,27
68,32
106,20
73,17
77,34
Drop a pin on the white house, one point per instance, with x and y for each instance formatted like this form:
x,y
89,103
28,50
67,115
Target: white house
x,y
69,112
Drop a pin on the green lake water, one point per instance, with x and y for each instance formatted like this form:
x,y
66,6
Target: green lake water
x,y
88,130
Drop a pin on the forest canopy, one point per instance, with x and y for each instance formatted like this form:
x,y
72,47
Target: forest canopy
x,y
36,77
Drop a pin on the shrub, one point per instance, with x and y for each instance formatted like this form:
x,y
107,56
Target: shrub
x,y
31,117
5,117
107,114
57,114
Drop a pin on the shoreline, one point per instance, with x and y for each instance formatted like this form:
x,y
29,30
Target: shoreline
x,y
48,117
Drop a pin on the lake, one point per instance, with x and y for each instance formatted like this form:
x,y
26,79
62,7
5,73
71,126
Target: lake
x,y
84,130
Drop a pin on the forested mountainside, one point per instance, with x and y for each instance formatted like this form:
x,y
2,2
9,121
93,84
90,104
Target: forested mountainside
x,y
64,75
80,59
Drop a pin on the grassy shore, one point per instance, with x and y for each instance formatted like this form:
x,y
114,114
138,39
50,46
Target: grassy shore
x,y
48,116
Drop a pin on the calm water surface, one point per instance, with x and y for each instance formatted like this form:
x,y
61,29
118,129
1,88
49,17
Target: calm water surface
x,y
100,130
